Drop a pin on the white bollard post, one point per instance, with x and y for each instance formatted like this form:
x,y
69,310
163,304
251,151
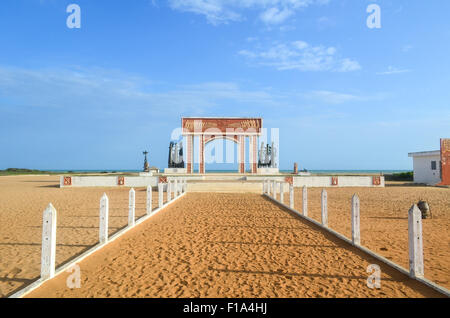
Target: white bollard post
x,y
104,213
149,200
169,191
356,236
415,242
48,251
131,207
274,189
160,194
282,192
305,201
291,196
175,188
324,208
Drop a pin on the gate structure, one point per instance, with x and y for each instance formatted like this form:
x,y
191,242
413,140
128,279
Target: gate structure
x,y
211,128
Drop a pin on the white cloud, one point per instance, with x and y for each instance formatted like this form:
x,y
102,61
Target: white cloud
x,y
393,70
275,15
103,91
333,97
299,55
407,48
224,11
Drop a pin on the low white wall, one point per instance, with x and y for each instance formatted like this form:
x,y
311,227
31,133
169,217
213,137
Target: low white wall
x,y
343,181
299,181
110,181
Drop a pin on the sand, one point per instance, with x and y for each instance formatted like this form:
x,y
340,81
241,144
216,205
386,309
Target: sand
x,y
384,222
218,245
22,202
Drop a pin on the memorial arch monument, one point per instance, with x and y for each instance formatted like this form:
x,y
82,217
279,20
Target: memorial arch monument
x,y
212,128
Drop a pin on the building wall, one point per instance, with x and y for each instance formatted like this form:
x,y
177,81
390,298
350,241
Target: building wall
x,y
445,158
423,172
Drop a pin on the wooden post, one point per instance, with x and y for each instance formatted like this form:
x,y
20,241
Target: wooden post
x,y
131,207
324,208
291,196
305,201
169,191
104,213
356,236
149,200
160,194
415,242
48,252
282,192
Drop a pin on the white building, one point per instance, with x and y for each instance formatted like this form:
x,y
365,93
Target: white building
x,y
427,166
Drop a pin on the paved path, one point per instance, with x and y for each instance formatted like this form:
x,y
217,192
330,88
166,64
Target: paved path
x,y
230,245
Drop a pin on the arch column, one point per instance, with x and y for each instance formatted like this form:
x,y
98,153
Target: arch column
x,y
241,153
190,153
201,154
253,153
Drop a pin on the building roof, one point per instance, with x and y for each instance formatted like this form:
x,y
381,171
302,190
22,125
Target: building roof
x,y
424,153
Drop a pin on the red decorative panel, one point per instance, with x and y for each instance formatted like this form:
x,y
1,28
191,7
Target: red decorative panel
x,y
162,179
120,181
334,181
289,180
67,181
220,125
445,162
376,180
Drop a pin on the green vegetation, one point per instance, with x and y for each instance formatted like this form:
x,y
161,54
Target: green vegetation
x,y
403,176
18,171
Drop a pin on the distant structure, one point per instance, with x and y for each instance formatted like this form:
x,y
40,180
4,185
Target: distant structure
x,y
146,165
432,167
176,155
267,156
295,168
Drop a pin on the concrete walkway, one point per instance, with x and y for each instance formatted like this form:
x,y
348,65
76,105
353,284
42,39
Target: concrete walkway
x,y
230,245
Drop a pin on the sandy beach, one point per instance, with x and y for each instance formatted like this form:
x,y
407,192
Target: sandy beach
x,y
218,245
22,202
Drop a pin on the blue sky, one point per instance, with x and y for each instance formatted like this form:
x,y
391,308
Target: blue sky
x,y
343,96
